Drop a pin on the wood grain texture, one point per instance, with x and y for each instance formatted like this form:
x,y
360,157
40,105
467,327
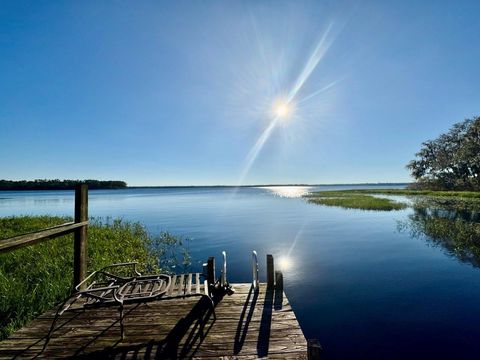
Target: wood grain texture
x,y
39,236
248,325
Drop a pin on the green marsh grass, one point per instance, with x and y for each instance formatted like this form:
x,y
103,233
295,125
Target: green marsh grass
x,y
364,199
453,228
411,192
35,278
352,200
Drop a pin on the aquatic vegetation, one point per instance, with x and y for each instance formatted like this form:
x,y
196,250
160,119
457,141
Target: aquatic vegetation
x,y
452,223
364,199
412,192
449,219
457,232
35,278
352,200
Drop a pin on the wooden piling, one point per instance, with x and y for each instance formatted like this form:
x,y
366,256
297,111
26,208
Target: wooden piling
x,y
211,271
314,349
80,237
278,280
270,272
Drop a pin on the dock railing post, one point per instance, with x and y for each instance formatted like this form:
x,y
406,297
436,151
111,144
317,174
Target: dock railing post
x,y
255,282
314,349
278,280
223,278
270,272
211,271
80,236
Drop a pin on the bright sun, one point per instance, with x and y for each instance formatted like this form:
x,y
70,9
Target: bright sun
x,y
282,109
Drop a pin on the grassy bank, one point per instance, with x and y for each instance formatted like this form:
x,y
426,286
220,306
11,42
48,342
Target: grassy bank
x,y
35,278
364,199
408,192
352,200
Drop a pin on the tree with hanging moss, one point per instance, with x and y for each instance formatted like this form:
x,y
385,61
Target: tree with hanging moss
x,y
451,161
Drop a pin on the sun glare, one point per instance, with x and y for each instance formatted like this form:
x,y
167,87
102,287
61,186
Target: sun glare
x,y
282,109
281,98
284,263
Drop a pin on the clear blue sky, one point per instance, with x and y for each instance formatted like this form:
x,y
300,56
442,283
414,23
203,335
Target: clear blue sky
x,y
179,93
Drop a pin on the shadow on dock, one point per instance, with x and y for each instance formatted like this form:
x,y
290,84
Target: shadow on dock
x,y
192,328
242,327
248,324
265,322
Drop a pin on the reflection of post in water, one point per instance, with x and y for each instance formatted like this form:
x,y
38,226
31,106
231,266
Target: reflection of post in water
x,y
452,224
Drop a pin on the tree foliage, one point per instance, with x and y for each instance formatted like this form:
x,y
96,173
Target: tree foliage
x,y
56,184
451,161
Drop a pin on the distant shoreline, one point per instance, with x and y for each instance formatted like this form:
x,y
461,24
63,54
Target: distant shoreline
x,y
205,186
57,184
259,185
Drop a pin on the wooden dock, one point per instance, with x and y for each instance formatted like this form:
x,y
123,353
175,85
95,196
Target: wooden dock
x,y
256,321
249,324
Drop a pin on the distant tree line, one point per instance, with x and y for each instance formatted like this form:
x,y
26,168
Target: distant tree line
x,y
56,184
451,161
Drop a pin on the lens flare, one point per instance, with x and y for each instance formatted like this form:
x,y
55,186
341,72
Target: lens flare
x,y
282,109
317,55
286,107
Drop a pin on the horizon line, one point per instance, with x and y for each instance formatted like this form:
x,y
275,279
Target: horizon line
x,y
266,185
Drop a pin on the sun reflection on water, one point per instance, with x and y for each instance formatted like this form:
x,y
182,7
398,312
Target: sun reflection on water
x,y
288,191
284,263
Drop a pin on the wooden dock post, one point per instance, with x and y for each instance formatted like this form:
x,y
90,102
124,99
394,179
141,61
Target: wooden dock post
x,y
278,280
314,349
80,238
211,271
270,272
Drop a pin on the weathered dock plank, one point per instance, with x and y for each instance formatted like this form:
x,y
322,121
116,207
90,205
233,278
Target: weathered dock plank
x,y
248,325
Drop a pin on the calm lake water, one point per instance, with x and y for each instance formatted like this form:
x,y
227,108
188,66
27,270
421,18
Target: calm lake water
x,y
360,285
